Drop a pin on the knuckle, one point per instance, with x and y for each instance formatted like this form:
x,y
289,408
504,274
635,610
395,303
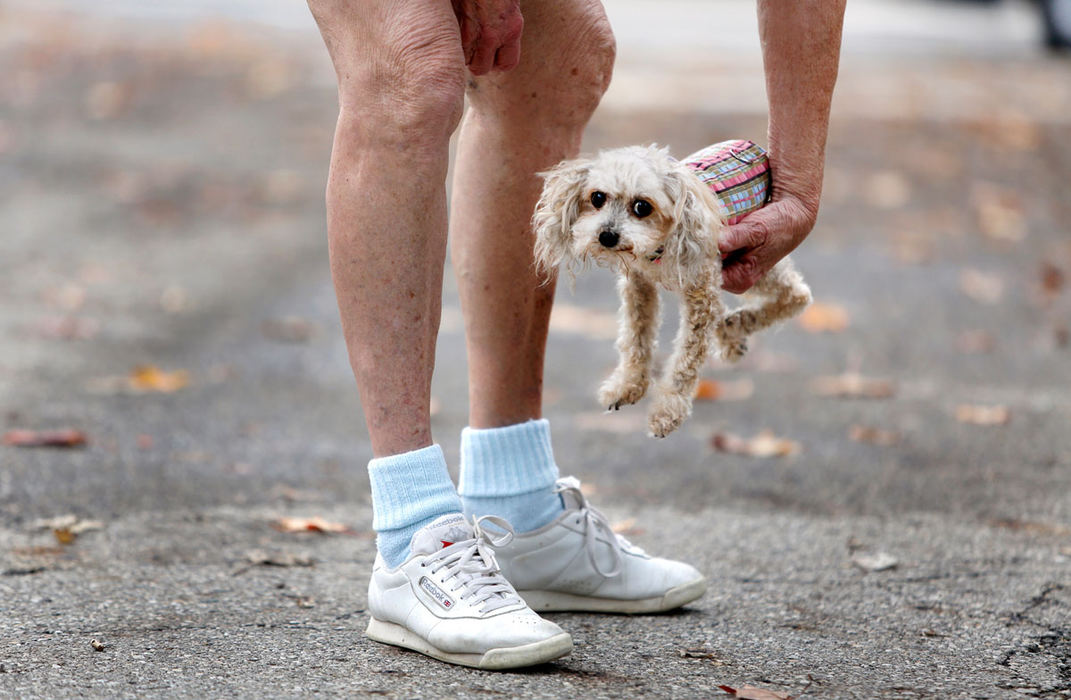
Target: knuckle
x,y
759,234
516,27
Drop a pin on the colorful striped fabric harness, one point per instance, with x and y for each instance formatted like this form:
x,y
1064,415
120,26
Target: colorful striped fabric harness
x,y
738,172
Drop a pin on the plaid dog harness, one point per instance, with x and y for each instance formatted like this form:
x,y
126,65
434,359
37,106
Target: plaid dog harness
x,y
738,172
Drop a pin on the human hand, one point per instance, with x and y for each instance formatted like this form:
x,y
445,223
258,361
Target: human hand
x,y
490,33
752,246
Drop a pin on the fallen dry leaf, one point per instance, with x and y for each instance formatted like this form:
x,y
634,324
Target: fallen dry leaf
x,y
45,438
67,522
1061,336
302,601
282,186
67,328
750,692
1033,528
713,390
999,213
888,189
912,248
313,524
872,435
824,318
765,444
69,296
289,329
852,385
879,561
150,378
106,100
269,77
703,653
976,342
977,414
1052,281
175,300
983,287
67,528
259,557
37,551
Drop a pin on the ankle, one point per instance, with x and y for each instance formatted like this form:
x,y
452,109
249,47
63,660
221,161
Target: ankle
x,y
510,472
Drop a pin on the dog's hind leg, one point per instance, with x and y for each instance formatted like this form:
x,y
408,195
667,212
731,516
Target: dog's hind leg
x,y
782,294
637,334
701,311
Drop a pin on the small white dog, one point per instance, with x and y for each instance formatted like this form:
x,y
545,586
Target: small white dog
x,y
651,218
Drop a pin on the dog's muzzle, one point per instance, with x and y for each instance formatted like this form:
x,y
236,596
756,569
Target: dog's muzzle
x,y
609,239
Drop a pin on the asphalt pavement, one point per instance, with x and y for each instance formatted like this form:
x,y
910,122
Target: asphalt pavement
x,y
164,291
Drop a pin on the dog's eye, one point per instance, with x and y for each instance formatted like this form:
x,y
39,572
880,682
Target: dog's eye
x,y
598,199
642,208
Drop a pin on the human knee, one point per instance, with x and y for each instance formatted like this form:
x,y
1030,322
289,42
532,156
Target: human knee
x,y
585,75
409,95
560,82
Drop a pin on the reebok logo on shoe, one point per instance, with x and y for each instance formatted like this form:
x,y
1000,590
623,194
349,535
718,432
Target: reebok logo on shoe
x,y
437,594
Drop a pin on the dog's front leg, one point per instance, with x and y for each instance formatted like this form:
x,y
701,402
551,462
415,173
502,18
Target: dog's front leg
x,y
701,311
637,331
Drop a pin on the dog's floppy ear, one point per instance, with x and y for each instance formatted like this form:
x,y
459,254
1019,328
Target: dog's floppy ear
x,y
557,210
696,222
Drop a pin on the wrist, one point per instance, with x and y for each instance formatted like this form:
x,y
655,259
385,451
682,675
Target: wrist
x,y
800,185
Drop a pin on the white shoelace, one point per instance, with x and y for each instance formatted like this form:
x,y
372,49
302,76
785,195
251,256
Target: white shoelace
x,y
473,568
594,522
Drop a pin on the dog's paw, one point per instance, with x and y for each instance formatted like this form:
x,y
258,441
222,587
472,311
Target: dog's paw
x,y
733,349
616,391
667,413
732,337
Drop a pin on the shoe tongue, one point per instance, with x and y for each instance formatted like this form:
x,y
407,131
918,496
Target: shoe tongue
x,y
441,533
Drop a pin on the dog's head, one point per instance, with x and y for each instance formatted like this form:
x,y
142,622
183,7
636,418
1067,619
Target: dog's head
x,y
632,208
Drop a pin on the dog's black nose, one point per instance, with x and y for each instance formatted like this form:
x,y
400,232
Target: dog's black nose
x,y
609,238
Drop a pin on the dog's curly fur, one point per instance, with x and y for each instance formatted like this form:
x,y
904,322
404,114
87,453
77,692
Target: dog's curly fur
x,y
644,214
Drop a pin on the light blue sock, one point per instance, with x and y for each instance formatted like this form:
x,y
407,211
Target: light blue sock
x,y
409,491
510,472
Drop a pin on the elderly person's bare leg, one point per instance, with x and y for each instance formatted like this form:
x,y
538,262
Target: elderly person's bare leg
x,y
401,74
518,124
401,79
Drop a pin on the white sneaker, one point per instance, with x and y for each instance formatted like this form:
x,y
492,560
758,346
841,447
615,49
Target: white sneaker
x,y
578,563
450,601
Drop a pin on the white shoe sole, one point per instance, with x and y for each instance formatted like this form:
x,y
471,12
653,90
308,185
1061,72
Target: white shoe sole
x,y
491,660
553,601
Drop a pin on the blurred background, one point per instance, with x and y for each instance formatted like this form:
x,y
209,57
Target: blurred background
x,y
165,298
163,170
